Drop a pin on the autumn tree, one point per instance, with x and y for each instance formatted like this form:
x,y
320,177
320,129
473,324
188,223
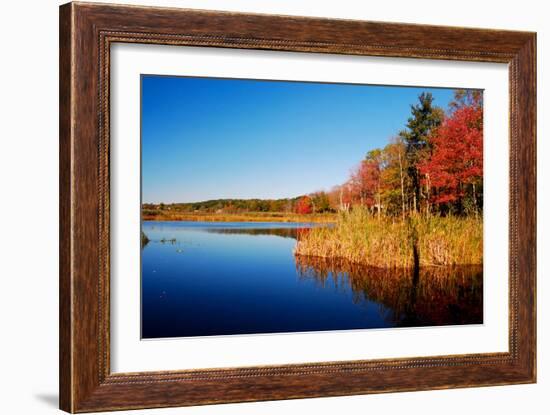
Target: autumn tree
x,y
304,206
365,184
425,117
340,197
394,177
455,168
320,202
372,174
466,98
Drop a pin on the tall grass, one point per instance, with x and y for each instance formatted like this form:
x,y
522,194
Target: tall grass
x,y
390,242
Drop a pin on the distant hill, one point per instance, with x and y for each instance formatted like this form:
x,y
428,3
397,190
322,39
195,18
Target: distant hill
x,y
229,205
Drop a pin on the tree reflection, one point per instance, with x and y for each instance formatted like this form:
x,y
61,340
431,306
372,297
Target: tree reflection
x,y
425,296
282,232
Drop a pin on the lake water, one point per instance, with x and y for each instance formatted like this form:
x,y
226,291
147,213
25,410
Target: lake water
x,y
208,278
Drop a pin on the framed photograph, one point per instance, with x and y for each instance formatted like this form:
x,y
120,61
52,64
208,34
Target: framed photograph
x,y
259,207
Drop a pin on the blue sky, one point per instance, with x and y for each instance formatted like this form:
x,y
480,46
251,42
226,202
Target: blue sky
x,y
209,138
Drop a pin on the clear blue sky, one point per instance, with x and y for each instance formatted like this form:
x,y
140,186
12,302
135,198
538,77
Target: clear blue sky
x,y
208,138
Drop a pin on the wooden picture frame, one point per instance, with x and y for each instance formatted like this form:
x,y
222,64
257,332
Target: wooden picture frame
x,y
86,33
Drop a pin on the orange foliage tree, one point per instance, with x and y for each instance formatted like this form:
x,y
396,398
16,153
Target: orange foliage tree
x,y
304,205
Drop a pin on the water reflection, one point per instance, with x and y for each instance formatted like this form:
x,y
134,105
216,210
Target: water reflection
x,y
429,296
282,232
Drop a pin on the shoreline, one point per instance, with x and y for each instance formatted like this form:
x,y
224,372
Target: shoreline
x,y
338,260
213,217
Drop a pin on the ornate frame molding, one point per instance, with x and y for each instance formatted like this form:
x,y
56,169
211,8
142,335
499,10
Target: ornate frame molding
x,y
86,33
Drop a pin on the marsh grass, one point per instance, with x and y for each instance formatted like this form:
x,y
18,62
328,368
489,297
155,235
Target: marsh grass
x,y
389,242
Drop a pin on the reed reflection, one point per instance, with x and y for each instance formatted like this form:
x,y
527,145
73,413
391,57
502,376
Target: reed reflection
x,y
424,296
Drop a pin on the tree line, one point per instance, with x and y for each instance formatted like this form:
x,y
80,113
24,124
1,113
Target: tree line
x,y
228,206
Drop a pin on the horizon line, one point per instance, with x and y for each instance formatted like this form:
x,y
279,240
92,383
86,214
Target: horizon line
x,y
232,198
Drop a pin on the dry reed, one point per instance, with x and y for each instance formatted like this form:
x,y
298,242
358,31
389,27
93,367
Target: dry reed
x,y
388,242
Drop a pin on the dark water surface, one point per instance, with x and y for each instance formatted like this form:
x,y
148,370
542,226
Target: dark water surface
x,y
208,278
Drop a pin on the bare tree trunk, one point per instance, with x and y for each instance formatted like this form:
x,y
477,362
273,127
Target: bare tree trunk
x,y
475,198
427,195
379,201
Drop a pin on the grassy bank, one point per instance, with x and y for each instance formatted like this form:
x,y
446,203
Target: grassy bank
x,y
389,242
167,215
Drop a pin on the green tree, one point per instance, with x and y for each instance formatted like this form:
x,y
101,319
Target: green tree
x,y
320,201
425,117
394,177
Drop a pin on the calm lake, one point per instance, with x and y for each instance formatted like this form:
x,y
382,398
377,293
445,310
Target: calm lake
x,y
210,278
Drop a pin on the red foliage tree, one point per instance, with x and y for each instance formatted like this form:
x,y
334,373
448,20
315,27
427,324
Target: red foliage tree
x,y
365,181
304,205
457,155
